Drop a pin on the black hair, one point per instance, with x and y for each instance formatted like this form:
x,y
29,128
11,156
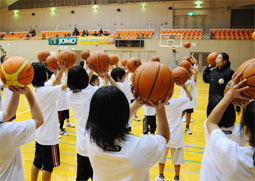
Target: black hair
x,y
225,57
108,117
81,63
117,73
40,74
93,79
248,120
78,78
229,117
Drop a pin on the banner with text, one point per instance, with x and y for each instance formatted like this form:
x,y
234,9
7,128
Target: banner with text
x,y
63,41
96,40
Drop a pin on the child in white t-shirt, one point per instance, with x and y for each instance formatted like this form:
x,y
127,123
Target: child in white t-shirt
x,y
208,170
174,108
234,162
113,152
15,134
81,95
47,136
149,121
118,74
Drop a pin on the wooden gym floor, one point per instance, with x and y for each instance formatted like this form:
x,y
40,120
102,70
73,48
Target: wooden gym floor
x,y
193,150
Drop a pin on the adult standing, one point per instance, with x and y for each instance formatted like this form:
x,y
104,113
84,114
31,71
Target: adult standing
x,y
218,78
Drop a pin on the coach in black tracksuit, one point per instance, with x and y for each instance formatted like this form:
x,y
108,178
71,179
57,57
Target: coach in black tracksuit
x,y
218,78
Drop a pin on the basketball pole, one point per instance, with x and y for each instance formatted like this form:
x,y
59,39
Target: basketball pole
x,y
174,61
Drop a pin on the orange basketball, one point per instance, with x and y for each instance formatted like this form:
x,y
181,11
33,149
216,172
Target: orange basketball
x,y
187,58
98,61
185,63
156,59
67,57
124,62
51,62
153,81
114,59
211,59
17,71
84,55
42,55
186,45
181,75
133,63
6,57
248,72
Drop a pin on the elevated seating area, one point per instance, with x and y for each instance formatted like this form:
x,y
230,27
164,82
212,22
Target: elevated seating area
x,y
231,34
187,34
15,36
91,32
133,34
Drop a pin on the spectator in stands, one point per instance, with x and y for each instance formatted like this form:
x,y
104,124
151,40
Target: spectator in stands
x,y
57,35
138,36
3,56
87,32
43,37
142,36
33,32
212,36
105,33
118,37
100,32
95,33
83,33
76,32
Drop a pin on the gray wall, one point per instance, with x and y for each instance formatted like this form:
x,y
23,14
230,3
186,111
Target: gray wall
x,y
238,50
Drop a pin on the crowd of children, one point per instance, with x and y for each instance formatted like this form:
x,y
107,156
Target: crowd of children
x,y
103,107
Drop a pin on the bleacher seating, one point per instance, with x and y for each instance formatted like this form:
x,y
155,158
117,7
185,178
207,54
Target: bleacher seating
x,y
133,34
93,31
231,34
15,36
187,34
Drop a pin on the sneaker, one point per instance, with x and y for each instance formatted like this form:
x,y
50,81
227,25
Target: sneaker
x,y
188,131
159,178
63,132
136,118
59,137
177,178
69,124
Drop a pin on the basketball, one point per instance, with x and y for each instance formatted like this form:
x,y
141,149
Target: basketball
x,y
133,63
156,59
51,62
185,63
42,55
98,61
186,45
67,58
5,58
211,59
186,58
84,55
114,59
17,71
248,72
153,81
124,62
181,75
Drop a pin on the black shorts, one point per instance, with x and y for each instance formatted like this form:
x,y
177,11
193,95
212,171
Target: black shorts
x,y
84,168
62,115
46,157
188,110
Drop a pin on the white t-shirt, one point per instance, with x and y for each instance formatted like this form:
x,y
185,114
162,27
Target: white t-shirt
x,y
174,108
209,171
64,102
125,87
234,162
191,87
47,96
12,136
149,111
131,163
6,97
80,103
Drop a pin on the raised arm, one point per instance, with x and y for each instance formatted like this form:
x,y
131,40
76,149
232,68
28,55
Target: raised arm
x,y
218,111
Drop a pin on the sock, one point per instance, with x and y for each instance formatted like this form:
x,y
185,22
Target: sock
x,y
187,126
161,176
